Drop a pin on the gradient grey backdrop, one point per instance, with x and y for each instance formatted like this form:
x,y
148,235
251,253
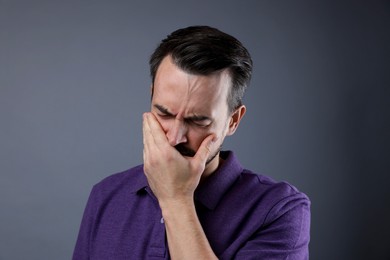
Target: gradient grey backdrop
x,y
74,82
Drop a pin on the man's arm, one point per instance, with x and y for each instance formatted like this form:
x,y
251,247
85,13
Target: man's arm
x,y
81,250
173,179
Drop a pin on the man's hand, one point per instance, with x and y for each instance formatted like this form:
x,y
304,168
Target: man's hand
x,y
171,176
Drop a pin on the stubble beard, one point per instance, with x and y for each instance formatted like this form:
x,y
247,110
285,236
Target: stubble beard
x,y
214,155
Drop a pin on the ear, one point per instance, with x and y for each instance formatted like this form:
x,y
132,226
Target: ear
x,y
235,119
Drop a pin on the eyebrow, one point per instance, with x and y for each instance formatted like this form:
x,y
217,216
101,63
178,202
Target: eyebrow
x,y
163,110
197,118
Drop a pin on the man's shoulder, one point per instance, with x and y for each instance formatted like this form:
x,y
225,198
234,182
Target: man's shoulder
x,y
131,179
245,183
269,195
260,185
267,182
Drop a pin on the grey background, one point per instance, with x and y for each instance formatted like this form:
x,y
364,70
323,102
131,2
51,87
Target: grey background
x,y
74,82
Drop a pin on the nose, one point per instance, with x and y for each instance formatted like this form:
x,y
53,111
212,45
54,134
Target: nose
x,y
177,133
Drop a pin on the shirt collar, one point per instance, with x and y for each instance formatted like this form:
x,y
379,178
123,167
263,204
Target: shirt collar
x,y
210,192
139,182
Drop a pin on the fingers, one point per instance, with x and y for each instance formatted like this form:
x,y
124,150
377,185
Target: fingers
x,y
147,135
204,150
154,130
155,140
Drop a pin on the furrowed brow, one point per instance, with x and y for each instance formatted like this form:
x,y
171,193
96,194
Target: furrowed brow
x,y
198,118
163,110
195,118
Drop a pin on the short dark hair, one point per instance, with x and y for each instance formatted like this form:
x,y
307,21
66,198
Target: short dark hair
x,y
203,50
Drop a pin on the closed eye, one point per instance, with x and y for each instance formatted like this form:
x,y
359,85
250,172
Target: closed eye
x,y
197,120
164,116
200,121
201,124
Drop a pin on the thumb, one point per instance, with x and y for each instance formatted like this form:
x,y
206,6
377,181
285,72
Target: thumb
x,y
204,150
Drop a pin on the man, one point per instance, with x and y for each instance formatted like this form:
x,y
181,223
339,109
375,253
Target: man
x,y
190,200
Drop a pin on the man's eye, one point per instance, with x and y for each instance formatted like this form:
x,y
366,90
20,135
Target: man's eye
x,y
200,123
164,116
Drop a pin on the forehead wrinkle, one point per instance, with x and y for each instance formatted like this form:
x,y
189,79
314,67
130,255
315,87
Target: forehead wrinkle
x,y
203,83
193,104
186,94
209,86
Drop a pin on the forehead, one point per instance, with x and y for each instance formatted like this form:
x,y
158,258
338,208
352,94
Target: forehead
x,y
178,90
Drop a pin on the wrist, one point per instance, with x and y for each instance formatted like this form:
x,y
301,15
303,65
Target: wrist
x,y
177,207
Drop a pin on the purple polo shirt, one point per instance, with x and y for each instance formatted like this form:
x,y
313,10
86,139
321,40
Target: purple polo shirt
x,y
244,216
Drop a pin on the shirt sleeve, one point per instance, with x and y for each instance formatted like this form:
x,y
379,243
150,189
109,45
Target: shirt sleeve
x,y
82,247
285,233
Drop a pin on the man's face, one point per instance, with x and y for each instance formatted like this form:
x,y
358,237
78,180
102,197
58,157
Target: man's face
x,y
191,107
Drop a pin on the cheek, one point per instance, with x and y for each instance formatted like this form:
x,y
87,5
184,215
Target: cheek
x,y
220,131
195,138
